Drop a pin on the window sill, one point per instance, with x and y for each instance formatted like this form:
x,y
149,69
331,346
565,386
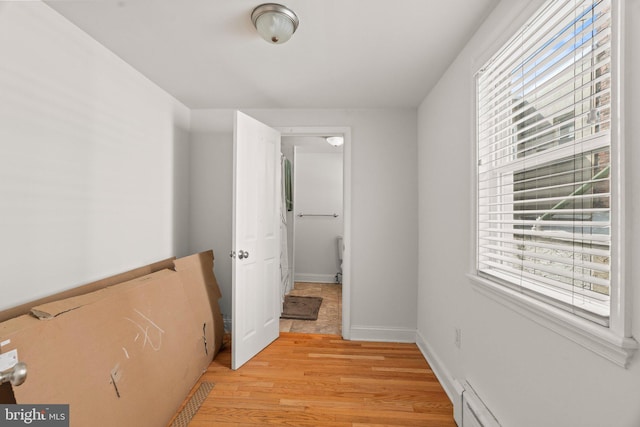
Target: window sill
x,y
591,336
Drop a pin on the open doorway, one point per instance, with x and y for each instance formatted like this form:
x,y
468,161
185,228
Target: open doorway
x,y
317,227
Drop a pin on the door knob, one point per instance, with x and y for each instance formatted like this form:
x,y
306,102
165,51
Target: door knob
x,y
243,254
15,375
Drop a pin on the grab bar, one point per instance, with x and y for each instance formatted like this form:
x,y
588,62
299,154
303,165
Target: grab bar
x,y
335,215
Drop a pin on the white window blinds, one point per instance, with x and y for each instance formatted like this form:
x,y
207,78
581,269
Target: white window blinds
x,y
543,159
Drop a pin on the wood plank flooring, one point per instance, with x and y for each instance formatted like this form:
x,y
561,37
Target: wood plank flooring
x,y
323,381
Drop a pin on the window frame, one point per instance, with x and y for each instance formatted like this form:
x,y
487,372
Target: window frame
x,y
615,342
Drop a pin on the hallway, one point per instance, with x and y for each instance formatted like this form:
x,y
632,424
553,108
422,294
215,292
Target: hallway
x,y
308,380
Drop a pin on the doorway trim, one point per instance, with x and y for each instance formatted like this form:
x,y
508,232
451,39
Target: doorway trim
x,y
346,188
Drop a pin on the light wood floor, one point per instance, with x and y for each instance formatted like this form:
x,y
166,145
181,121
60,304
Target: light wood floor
x,y
323,381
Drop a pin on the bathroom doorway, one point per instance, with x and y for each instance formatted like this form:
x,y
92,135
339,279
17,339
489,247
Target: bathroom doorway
x,y
317,226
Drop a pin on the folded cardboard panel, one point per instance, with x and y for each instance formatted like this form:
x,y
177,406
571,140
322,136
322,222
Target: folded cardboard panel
x,y
56,308
124,355
198,268
89,287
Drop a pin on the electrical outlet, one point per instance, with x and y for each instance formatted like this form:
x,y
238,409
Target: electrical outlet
x,y
458,339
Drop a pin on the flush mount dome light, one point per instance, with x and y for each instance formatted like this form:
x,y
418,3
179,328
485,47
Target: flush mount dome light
x,y
275,23
336,141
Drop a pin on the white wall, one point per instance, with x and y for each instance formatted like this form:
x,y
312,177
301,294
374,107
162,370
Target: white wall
x,y
318,190
210,203
93,159
384,207
528,375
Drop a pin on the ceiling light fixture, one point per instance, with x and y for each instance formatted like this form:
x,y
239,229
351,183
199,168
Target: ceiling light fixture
x,y
275,23
336,141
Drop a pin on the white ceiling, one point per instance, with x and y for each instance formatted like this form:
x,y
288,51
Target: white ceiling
x,y
345,53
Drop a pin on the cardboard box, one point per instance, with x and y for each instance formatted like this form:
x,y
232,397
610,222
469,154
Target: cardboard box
x,y
124,355
89,287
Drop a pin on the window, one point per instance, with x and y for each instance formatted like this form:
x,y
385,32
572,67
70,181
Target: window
x,y
544,175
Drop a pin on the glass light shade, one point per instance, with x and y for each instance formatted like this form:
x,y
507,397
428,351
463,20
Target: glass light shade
x,y
336,141
274,22
274,27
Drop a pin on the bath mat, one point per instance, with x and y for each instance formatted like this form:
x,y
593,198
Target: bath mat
x,y
192,406
301,308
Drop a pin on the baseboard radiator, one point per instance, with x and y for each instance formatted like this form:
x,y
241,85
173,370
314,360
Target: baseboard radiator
x,y
470,410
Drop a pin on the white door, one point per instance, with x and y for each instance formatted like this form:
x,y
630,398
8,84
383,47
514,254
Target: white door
x,y
256,239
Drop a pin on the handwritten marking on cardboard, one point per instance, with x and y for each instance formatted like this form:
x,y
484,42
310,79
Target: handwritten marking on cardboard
x,y
115,375
126,353
151,332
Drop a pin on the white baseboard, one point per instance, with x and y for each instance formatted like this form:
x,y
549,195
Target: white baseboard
x,y
315,278
450,385
366,333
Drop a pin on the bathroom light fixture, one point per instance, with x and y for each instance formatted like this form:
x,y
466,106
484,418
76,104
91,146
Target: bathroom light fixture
x,y
336,141
275,23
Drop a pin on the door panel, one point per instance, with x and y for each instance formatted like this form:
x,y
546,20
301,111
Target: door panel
x,y
256,240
